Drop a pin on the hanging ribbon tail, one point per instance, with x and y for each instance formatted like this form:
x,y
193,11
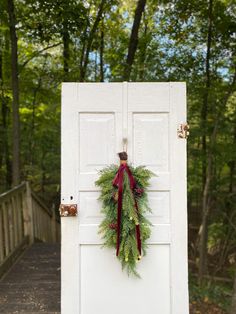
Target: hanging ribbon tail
x,y
118,182
132,186
131,178
138,236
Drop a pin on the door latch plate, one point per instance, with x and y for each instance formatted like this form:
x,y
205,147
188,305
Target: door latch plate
x,y
68,210
183,130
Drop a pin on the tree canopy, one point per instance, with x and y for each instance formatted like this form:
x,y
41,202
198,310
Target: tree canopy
x,y
43,43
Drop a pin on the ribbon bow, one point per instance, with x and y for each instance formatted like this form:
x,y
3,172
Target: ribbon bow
x,y
118,182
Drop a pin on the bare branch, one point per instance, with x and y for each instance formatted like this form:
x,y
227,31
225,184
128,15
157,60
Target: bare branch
x,y
37,53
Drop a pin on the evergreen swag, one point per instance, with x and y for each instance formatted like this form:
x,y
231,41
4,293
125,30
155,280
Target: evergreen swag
x,y
131,216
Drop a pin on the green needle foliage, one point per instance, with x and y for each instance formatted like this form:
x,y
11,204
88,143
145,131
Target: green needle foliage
x,y
128,254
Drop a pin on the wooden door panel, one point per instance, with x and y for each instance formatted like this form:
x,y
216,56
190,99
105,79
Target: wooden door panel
x,y
91,213
150,140
145,97
149,144
95,119
98,144
96,141
106,289
88,234
104,98
159,202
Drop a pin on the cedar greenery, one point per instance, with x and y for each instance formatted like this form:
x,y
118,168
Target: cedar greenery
x,y
128,254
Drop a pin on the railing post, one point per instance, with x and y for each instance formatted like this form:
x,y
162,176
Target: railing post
x,y
28,215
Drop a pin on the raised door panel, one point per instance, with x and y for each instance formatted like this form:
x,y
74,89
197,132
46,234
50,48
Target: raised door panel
x,y
106,289
148,135
160,204
98,142
150,140
97,137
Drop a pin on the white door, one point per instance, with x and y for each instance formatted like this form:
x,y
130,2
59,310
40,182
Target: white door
x,y
95,119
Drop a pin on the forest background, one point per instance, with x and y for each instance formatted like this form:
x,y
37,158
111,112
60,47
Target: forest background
x,y
43,43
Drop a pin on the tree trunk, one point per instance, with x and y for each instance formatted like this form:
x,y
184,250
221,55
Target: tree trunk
x,y
85,55
232,167
5,145
205,106
95,66
101,54
203,229
1,124
133,42
206,169
143,51
32,132
15,92
66,51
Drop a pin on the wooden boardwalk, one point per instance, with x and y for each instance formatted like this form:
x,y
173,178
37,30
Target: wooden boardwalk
x,y
33,283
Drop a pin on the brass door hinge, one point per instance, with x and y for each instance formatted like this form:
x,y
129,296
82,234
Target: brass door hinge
x,y
183,130
68,210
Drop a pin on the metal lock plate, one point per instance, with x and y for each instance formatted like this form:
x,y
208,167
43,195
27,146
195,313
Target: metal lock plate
x,y
68,210
183,130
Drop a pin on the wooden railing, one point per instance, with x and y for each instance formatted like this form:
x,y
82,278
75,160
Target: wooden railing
x,y
24,219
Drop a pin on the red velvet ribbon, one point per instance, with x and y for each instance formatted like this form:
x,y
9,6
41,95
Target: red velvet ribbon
x,y
118,182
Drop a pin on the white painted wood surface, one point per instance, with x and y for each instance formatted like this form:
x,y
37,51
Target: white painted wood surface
x,y
96,117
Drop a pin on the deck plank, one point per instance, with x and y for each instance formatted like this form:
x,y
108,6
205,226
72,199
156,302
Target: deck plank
x,y
33,283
